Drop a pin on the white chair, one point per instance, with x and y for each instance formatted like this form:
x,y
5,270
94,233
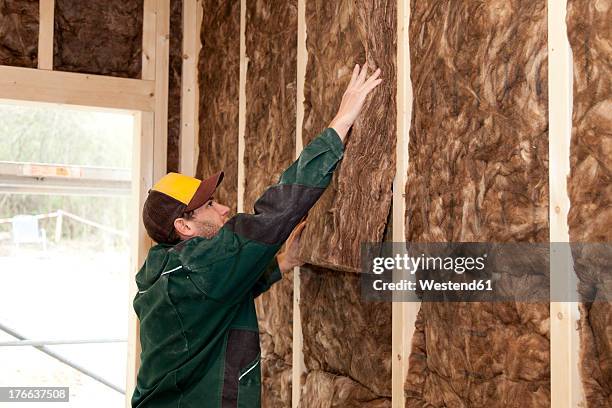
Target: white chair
x,y
26,231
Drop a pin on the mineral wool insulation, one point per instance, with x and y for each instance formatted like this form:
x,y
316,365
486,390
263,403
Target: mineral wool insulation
x,y
219,73
98,37
590,188
19,33
174,83
478,172
354,208
271,49
347,341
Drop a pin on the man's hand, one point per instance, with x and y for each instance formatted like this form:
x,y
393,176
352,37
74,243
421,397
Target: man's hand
x,y
288,259
353,99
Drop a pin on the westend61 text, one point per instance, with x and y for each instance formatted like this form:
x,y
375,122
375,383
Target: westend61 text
x,y
429,285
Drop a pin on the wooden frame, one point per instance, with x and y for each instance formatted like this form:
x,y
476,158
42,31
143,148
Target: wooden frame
x,y
244,61
150,150
192,21
566,386
37,85
298,366
162,66
45,34
403,313
143,166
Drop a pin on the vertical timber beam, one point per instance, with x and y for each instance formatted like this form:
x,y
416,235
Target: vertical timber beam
x,y
149,23
244,61
566,389
404,313
298,365
162,64
149,149
192,15
142,181
45,34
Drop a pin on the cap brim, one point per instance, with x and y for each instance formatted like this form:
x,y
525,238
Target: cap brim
x,y
205,191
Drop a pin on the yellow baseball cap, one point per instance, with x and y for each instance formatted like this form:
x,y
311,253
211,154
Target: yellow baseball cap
x,y
171,197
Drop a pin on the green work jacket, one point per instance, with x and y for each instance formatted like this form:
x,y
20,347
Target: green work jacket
x,y
198,327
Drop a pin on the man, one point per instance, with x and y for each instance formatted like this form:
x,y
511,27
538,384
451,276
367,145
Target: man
x,y
198,327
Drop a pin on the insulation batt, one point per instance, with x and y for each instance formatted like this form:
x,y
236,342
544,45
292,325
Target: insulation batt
x,y
326,390
590,188
219,74
275,316
478,172
174,83
354,208
98,37
346,341
271,49
19,33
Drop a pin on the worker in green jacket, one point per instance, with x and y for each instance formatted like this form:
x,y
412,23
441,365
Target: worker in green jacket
x,y
195,302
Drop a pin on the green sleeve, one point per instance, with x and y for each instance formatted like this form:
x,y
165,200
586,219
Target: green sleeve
x,y
271,275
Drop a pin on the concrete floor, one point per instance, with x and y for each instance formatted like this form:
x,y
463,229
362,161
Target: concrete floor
x,y
69,292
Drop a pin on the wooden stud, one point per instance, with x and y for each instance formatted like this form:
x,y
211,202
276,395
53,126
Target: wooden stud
x,y
150,146
188,157
142,181
244,62
45,34
404,313
566,387
162,66
149,24
27,84
298,364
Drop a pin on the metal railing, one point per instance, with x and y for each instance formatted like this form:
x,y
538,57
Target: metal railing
x,y
42,347
60,214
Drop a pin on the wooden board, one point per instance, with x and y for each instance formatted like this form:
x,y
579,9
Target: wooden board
x,y
354,208
99,37
478,151
219,73
590,188
192,23
45,34
37,85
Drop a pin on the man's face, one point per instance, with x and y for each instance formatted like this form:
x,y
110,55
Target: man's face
x,y
206,221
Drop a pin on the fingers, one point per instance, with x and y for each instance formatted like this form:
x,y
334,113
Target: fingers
x,y
372,78
358,78
372,85
362,75
354,76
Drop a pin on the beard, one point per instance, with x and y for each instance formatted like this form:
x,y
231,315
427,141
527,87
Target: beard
x,y
207,229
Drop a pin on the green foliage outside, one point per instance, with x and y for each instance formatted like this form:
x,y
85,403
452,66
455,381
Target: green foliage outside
x,y
42,134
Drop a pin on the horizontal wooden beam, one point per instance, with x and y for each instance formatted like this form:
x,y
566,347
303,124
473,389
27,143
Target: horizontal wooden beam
x,y
35,85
